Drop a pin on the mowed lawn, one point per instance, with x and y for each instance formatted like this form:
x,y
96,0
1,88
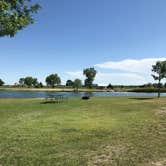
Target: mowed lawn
x,y
113,131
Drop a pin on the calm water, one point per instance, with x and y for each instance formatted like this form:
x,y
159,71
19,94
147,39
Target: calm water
x,y
37,94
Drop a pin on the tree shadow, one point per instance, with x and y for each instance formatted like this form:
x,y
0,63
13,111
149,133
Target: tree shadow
x,y
141,98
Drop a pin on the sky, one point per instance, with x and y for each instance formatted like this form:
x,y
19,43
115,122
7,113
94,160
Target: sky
x,y
122,39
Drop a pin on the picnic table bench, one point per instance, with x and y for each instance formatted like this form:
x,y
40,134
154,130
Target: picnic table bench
x,y
55,99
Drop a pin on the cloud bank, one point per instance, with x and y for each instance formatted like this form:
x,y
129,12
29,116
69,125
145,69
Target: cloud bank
x,y
126,72
131,65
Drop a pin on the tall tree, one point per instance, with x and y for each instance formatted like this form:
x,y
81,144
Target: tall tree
x,y
28,81
35,82
53,80
160,69
69,83
16,15
90,74
21,81
1,82
77,84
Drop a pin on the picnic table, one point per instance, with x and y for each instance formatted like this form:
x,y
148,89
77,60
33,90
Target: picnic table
x,y
56,99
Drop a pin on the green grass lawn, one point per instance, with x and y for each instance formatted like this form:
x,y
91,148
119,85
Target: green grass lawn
x,y
113,131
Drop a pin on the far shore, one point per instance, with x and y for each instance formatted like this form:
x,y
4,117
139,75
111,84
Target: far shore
x,y
54,89
45,89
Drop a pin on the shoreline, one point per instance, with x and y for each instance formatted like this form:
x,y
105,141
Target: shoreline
x,y
53,90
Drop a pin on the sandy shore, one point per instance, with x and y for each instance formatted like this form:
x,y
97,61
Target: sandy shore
x,y
52,89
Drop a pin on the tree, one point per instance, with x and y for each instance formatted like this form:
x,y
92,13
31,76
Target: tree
x,y
53,80
69,83
1,82
90,74
28,81
39,85
110,86
21,81
35,82
77,84
160,69
16,15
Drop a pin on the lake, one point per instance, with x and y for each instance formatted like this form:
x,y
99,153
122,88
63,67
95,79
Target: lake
x,y
41,94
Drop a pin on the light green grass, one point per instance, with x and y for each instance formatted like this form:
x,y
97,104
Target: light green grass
x,y
116,131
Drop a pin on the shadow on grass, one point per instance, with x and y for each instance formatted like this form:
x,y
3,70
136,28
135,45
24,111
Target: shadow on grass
x,y
141,98
49,102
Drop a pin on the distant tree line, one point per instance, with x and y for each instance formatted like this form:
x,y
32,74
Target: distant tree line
x,y
53,80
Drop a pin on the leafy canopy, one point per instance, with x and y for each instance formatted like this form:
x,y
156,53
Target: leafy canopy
x,y
69,83
90,74
16,15
160,69
1,82
77,83
53,80
160,73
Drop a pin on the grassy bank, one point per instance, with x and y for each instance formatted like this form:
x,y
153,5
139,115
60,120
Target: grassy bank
x,y
147,90
102,131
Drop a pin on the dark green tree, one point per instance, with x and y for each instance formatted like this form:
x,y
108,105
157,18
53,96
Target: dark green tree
x,y
53,80
21,81
110,86
28,81
16,15
69,83
1,82
90,74
40,85
77,84
35,82
160,69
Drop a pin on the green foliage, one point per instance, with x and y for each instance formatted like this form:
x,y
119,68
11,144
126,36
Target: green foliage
x,y
90,74
21,81
40,85
160,69
110,86
77,84
16,15
28,81
53,80
69,83
1,82
147,90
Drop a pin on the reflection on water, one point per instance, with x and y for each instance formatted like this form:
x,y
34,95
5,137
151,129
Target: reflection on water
x,y
37,94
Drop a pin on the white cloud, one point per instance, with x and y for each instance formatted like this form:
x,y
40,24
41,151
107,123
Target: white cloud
x,y
103,78
125,72
119,78
141,66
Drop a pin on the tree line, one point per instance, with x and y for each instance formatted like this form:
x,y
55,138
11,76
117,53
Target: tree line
x,y
54,80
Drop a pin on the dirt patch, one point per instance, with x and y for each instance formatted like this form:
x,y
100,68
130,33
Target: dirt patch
x,y
106,156
161,111
159,163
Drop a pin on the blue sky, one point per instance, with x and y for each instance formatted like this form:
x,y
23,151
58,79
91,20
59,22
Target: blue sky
x,y
70,35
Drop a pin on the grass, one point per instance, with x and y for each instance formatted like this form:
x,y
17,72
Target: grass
x,y
116,131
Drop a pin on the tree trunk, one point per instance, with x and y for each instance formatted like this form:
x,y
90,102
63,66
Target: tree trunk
x,y
159,88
